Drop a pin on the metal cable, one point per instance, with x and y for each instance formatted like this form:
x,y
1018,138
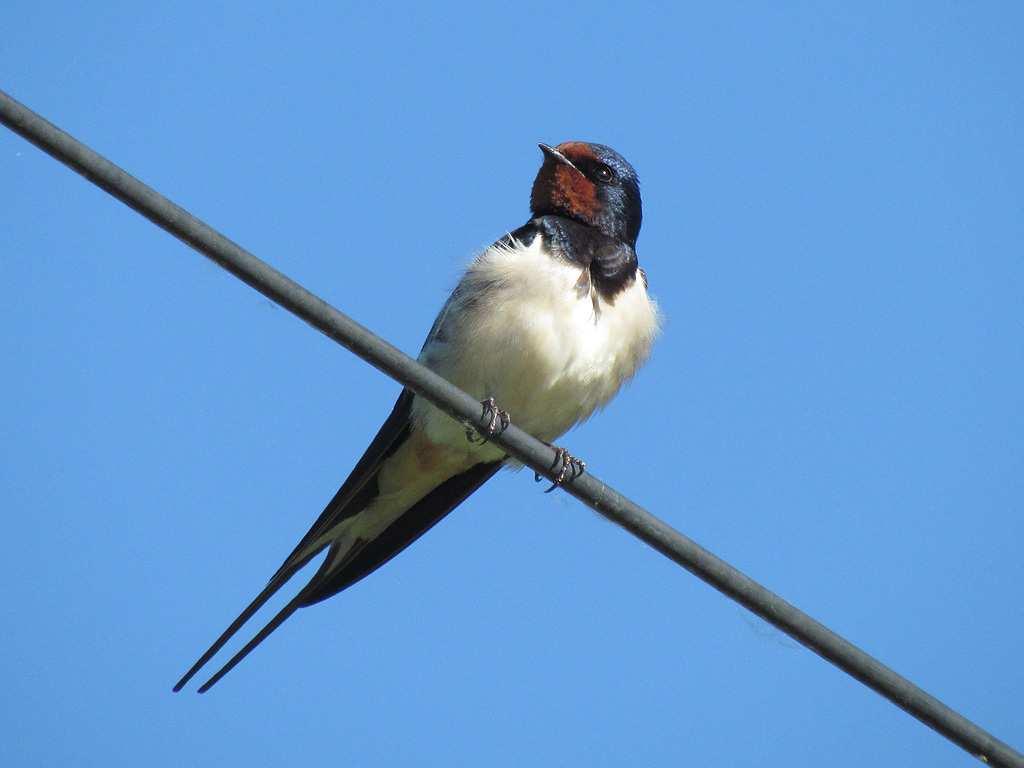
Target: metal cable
x,y
537,455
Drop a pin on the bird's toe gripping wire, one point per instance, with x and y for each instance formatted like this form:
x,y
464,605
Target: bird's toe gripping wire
x,y
498,422
568,466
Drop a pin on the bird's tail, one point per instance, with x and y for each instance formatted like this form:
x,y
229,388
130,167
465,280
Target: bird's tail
x,y
349,559
353,496
279,580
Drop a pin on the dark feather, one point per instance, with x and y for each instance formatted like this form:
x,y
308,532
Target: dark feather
x,y
368,556
353,496
389,439
420,518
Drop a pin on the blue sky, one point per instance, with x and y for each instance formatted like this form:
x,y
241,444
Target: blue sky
x,y
833,225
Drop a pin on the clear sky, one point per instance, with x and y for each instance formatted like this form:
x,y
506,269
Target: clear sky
x,y
833,226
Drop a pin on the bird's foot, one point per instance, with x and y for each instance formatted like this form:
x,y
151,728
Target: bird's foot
x,y
568,466
498,422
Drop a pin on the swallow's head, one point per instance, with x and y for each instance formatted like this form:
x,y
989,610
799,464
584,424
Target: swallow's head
x,y
592,184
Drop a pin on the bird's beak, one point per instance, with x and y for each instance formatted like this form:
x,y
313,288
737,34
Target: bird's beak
x,y
558,157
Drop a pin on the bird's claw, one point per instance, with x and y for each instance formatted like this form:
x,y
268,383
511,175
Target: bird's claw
x,y
568,466
498,422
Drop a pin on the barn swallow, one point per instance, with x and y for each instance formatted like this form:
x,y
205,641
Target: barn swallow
x,y
548,323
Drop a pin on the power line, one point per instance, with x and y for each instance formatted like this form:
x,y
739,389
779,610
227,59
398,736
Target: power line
x,y
529,450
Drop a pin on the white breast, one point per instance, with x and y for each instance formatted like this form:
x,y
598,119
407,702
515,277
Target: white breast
x,y
520,328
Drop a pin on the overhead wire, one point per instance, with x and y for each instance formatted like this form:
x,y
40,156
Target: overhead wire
x,y
517,443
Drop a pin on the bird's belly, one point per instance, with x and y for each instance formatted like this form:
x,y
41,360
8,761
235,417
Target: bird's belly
x,y
547,354
549,366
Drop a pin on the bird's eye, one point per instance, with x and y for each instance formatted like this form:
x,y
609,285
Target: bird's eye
x,y
603,173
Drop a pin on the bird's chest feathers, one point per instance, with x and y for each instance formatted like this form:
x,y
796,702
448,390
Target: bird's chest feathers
x,y
535,335
559,326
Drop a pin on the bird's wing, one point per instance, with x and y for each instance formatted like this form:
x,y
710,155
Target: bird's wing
x,y
357,558
366,556
390,437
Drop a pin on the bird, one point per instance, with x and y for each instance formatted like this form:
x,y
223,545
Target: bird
x,y
545,326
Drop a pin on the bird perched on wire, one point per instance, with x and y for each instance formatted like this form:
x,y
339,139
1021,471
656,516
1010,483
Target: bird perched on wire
x,y
547,323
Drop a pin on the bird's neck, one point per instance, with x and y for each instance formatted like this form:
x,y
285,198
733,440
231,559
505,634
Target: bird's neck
x,y
612,263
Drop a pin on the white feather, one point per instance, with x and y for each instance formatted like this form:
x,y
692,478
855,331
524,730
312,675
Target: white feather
x,y
520,329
